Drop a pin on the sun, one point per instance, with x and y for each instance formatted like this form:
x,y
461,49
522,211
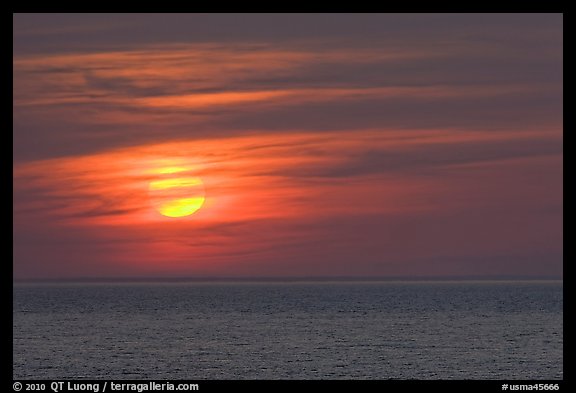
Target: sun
x,y
177,196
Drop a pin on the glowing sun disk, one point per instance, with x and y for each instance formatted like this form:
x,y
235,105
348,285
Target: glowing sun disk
x,y
181,207
171,169
177,182
176,196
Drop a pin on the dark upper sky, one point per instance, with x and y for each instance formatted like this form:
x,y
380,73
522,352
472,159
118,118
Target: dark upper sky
x,y
328,144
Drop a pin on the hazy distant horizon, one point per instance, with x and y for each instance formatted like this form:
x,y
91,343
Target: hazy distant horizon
x,y
290,279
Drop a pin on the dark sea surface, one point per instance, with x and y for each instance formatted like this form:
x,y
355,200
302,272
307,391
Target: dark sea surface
x,y
345,330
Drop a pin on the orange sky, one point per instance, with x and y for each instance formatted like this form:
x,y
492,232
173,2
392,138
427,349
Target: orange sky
x,y
315,158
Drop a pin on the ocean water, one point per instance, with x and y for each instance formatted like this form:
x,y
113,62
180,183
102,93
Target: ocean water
x,y
346,330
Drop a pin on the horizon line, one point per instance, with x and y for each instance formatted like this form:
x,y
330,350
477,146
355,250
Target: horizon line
x,y
169,279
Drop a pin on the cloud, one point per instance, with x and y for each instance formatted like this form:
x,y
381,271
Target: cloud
x,y
194,81
430,158
34,33
268,175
